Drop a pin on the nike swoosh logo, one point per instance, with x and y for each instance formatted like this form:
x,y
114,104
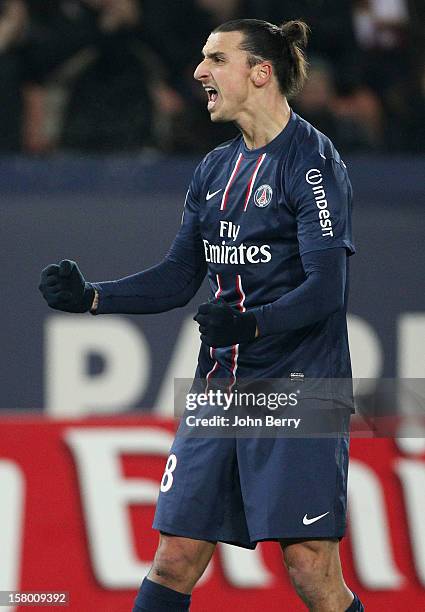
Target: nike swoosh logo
x,y
211,195
307,521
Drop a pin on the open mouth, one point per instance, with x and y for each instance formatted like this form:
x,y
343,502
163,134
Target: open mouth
x,y
212,96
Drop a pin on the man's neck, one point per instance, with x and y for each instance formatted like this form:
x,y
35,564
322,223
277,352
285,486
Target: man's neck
x,y
262,125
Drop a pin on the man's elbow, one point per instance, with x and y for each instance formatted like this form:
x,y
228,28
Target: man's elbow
x,y
184,301
186,296
191,290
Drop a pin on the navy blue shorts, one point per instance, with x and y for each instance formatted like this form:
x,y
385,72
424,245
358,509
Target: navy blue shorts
x,y
244,490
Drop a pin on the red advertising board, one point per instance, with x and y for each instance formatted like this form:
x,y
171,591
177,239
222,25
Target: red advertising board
x,y
78,501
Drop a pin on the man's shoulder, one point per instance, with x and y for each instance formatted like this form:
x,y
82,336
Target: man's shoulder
x,y
310,140
309,144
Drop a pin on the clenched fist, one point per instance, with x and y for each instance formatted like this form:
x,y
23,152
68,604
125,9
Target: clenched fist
x,y
220,325
64,288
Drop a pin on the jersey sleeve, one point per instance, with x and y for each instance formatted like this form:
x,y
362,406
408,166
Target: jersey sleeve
x,y
169,284
319,296
187,247
321,196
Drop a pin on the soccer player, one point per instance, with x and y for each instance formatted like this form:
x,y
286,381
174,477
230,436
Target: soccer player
x,y
268,218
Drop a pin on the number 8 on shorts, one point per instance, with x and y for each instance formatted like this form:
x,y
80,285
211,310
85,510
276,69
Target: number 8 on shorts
x,y
167,479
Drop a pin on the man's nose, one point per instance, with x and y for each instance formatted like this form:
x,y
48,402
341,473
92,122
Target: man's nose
x,y
201,71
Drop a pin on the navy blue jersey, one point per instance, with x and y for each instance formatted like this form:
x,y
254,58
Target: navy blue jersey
x,y
259,223
251,215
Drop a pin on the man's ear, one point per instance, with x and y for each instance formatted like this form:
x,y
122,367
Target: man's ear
x,y
262,73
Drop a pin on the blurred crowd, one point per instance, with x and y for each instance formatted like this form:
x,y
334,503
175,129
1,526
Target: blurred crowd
x,y
110,76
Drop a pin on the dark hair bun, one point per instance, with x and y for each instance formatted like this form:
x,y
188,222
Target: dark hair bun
x,y
296,33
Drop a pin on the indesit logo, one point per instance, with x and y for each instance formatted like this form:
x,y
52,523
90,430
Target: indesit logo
x,y
315,179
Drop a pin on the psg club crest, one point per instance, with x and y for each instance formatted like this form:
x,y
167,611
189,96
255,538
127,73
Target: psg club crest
x,y
263,196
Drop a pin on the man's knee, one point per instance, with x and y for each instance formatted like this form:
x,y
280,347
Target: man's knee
x,y
173,560
311,561
179,561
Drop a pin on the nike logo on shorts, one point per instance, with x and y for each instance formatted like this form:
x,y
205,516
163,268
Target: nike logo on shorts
x,y
211,195
307,521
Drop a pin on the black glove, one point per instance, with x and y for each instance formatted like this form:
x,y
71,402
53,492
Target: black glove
x,y
220,325
64,288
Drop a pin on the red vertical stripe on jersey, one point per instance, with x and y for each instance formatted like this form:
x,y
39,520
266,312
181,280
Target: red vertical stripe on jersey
x,y
252,180
235,348
240,293
212,350
229,184
234,366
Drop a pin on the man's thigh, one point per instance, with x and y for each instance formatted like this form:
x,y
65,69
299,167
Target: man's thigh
x,y
200,495
294,487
